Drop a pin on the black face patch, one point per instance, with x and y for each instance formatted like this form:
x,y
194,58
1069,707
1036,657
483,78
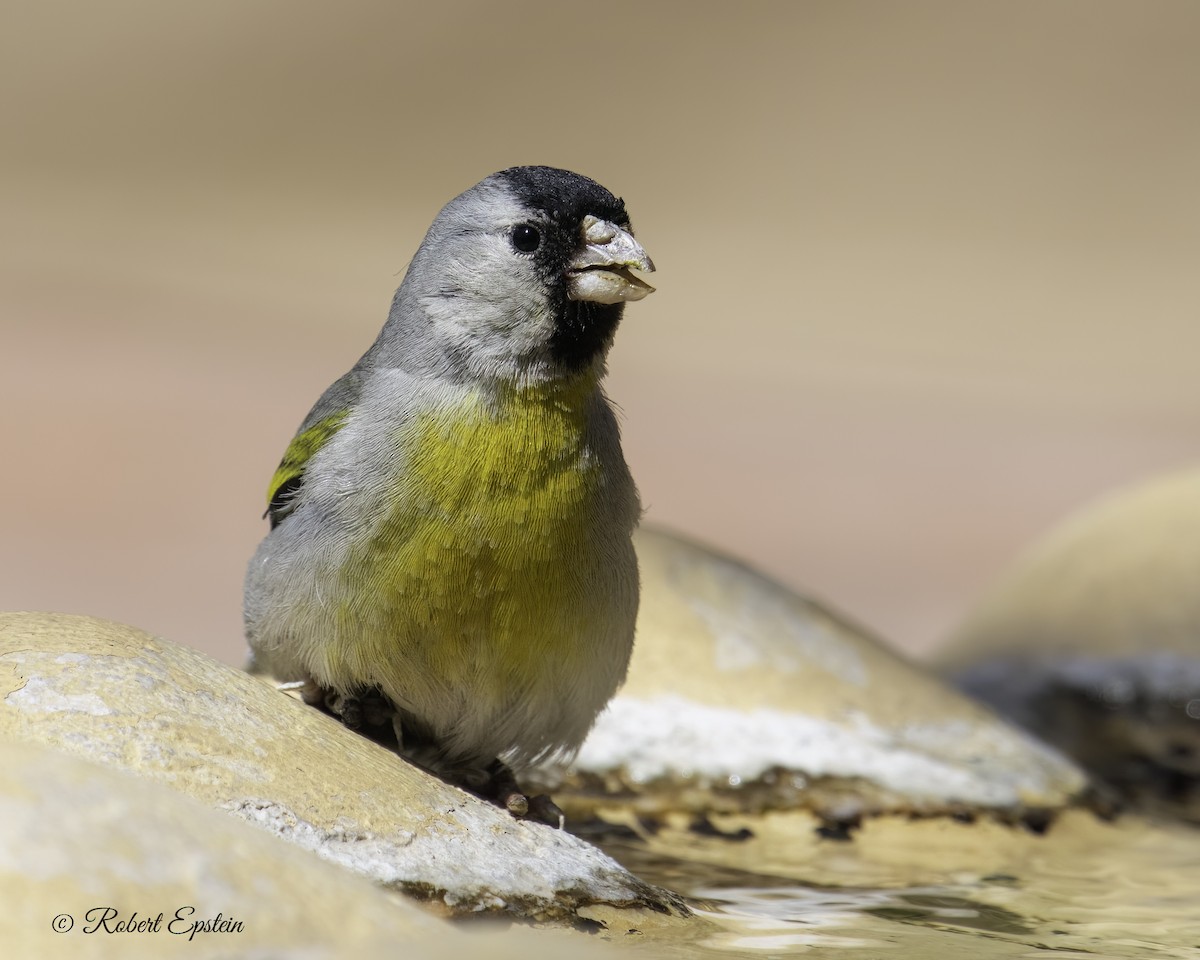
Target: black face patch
x,y
582,329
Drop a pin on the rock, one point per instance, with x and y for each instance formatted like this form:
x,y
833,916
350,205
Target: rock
x,y
744,696
86,849
126,700
1093,641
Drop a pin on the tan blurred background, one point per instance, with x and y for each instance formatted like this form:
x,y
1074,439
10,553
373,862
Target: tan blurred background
x,y
928,272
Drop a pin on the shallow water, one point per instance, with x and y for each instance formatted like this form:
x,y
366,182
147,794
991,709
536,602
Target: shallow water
x,y
940,889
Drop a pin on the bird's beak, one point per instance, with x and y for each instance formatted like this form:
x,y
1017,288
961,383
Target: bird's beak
x,y
600,272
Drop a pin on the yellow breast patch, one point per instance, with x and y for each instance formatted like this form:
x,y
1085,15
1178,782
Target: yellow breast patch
x,y
479,568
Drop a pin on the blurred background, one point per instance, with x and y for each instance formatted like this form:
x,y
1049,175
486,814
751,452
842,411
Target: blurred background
x,y
928,271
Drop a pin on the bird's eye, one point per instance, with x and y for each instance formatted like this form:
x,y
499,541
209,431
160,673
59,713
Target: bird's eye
x,y
525,237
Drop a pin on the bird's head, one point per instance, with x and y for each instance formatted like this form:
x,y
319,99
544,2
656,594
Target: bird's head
x,y
522,277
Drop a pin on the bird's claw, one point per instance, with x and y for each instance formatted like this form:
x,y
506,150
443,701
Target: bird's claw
x,y
544,810
517,804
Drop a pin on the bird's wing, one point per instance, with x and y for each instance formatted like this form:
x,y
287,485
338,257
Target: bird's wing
x,y
322,422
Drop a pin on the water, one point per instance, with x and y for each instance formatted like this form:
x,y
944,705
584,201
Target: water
x,y
932,889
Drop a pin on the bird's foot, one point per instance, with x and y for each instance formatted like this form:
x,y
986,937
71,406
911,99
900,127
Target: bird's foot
x,y
366,711
502,789
368,708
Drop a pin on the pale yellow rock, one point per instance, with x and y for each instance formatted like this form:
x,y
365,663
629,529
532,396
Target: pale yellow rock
x,y
1118,577
121,698
1093,638
90,858
743,694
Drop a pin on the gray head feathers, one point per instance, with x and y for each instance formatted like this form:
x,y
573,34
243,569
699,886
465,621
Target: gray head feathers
x,y
476,306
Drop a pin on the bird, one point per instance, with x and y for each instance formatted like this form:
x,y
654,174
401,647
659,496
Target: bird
x,y
449,567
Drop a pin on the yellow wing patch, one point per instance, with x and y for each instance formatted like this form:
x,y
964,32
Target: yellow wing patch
x,y
302,449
